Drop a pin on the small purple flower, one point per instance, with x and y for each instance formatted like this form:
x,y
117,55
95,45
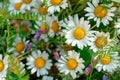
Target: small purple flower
x,y
88,69
104,77
28,47
38,35
56,55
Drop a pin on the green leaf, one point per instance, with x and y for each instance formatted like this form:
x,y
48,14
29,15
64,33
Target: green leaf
x,y
26,77
86,54
12,76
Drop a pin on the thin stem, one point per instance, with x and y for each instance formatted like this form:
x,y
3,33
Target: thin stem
x,y
92,27
8,36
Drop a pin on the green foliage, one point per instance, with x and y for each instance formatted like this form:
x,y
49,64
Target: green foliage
x,y
12,76
86,54
16,72
118,1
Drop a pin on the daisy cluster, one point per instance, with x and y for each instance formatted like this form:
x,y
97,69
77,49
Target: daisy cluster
x,y
69,40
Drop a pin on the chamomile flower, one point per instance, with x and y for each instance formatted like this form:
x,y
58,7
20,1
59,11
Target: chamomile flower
x,y
54,26
15,6
71,64
3,66
40,8
108,62
19,46
47,78
38,62
99,13
56,5
77,31
99,41
42,30
27,4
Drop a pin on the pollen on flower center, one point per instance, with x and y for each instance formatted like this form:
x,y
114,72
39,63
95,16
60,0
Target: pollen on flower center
x,y
42,10
100,12
39,62
1,65
101,42
44,29
105,59
71,64
27,1
18,5
20,47
55,26
55,2
79,33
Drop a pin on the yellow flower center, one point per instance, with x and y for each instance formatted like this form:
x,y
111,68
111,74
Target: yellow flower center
x,y
79,33
55,2
71,64
25,28
100,12
27,1
18,5
55,26
20,47
39,62
101,42
1,65
42,10
44,28
105,59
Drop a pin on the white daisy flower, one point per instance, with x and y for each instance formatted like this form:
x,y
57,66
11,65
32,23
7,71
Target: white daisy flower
x,y
15,6
40,8
77,31
55,5
108,62
27,4
51,28
99,41
39,62
19,46
54,26
99,13
47,78
71,64
45,29
3,66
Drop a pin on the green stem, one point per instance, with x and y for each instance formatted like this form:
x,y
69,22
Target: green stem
x,y
8,36
92,27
